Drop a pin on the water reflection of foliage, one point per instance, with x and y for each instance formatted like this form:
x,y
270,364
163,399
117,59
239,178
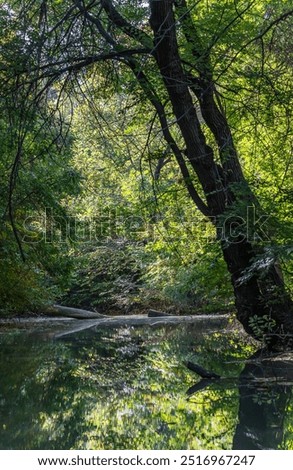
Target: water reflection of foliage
x,y
121,389
156,414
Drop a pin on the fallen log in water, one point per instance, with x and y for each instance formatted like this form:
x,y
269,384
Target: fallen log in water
x,y
216,321
75,312
156,313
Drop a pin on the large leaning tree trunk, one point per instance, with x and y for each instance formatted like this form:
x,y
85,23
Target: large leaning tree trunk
x,y
258,293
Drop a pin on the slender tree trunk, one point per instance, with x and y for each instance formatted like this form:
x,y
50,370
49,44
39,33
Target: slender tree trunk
x,y
258,294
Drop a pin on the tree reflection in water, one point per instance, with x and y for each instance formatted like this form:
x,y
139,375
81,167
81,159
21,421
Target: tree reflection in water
x,y
126,389
265,391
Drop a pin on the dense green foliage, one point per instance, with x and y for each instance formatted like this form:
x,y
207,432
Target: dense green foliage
x,y
35,176
91,196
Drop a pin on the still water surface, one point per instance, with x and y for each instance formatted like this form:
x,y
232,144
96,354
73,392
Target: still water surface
x,y
126,388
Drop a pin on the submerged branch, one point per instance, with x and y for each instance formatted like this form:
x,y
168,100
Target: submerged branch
x,y
205,374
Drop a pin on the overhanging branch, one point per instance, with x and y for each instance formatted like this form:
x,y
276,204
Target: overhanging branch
x,y
127,28
80,63
155,101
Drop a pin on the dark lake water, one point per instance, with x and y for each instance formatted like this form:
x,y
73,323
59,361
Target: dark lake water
x,y
126,388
